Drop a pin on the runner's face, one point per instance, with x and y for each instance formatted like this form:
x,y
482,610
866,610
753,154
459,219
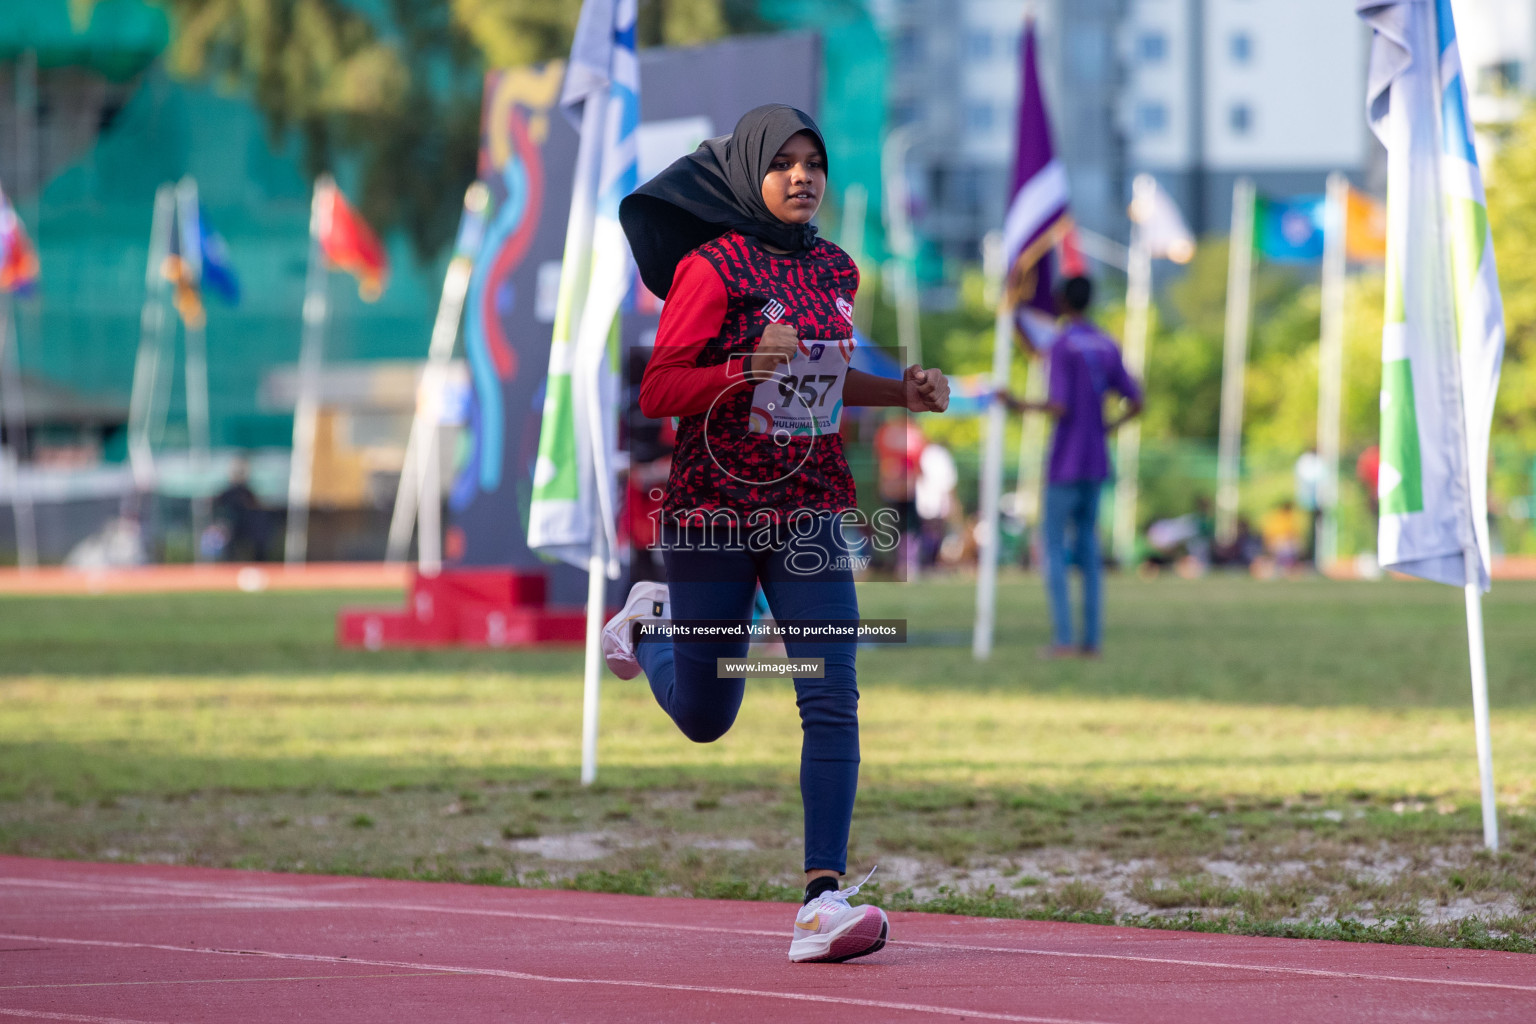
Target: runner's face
x,y
796,180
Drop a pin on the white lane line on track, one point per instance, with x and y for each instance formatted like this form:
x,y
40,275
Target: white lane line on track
x,y
81,1018
224,981
288,902
491,972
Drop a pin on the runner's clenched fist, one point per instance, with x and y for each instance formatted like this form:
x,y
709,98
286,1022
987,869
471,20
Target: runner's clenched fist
x,y
927,390
777,346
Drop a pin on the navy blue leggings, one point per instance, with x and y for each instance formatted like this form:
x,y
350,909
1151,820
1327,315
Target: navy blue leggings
x,y
804,577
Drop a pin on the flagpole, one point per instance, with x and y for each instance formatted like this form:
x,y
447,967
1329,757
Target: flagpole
x,y
1480,723
851,239
898,232
419,495
1026,488
582,216
306,408
151,328
197,362
1234,361
1330,370
992,459
15,419
404,519
1138,302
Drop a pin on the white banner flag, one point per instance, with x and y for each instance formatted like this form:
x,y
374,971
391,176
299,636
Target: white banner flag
x,y
573,494
1443,340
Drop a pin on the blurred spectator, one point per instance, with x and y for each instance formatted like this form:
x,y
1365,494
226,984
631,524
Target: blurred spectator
x,y
119,544
242,525
1183,543
935,499
1367,470
1309,481
645,488
1242,551
899,447
1281,529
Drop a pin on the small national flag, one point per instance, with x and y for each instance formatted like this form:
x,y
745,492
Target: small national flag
x,y
18,259
1037,217
1070,252
1163,230
1289,230
1365,228
348,243
187,294
218,272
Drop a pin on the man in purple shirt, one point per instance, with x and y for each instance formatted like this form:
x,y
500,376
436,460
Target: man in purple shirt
x,y
1085,366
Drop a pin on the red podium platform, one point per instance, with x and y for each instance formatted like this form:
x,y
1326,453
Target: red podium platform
x,y
465,608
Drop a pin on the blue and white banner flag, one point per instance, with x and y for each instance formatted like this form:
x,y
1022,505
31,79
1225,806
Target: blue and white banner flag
x,y
573,487
1443,340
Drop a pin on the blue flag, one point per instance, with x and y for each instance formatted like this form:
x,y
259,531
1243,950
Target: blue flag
x,y
1289,230
218,273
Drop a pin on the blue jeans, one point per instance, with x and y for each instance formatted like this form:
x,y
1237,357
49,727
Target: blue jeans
x,y
708,579
1074,505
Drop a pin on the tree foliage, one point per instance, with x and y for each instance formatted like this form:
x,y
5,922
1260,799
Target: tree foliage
x,y
1512,212
393,86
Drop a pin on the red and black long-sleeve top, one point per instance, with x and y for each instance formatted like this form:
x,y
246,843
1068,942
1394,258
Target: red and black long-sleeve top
x,y
723,296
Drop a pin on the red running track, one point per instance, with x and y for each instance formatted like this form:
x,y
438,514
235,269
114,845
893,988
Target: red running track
x,y
135,944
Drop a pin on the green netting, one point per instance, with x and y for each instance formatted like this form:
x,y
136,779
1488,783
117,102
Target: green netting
x,y
92,231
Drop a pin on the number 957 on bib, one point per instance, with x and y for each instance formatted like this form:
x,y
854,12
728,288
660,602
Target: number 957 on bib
x,y
805,397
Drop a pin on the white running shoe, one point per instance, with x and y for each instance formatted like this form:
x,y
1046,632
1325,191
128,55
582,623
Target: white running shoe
x,y
829,931
647,601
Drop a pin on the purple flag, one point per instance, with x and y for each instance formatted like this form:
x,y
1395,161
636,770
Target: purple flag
x,y
1037,210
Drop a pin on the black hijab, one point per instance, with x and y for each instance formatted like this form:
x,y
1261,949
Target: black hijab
x,y
716,188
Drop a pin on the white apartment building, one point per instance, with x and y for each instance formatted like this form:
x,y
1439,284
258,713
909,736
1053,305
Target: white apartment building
x,y
1198,92
1497,39
954,79
1269,89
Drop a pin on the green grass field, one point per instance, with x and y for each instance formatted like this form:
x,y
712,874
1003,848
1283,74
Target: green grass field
x,y
1291,757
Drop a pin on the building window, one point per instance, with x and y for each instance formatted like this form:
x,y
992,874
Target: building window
x,y
1151,117
978,117
1152,47
909,46
1501,79
1087,50
1242,48
1240,119
978,44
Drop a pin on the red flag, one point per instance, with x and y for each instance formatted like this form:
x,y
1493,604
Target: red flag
x,y
18,259
1073,262
348,242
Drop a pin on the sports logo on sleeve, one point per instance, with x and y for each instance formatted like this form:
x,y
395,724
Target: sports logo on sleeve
x,y
846,308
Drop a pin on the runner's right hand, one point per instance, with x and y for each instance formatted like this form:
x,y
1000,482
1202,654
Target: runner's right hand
x,y
778,344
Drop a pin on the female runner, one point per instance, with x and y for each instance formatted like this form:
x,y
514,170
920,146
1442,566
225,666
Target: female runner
x,y
751,354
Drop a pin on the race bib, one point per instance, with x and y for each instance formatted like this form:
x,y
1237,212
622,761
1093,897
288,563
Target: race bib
x,y
804,398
